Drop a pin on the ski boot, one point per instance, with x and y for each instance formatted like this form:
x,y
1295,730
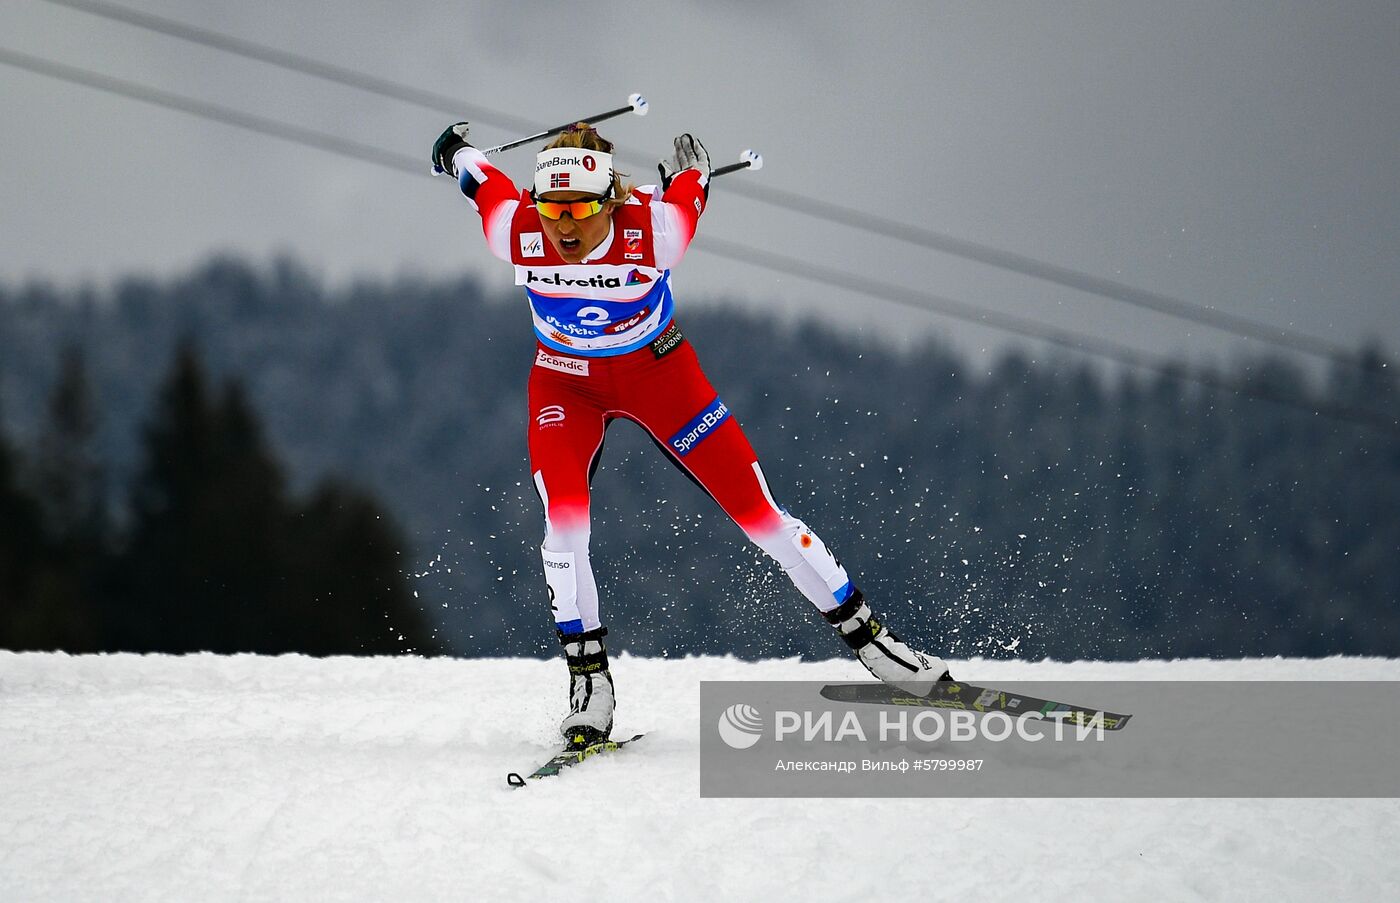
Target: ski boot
x,y
591,701
881,652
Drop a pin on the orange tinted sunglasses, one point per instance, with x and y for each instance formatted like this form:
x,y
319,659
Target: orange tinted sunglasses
x,y
575,209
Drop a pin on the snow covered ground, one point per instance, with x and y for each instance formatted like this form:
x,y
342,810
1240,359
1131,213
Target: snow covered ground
x,y
208,778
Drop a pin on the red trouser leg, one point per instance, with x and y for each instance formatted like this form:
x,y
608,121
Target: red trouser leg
x,y
565,438
673,400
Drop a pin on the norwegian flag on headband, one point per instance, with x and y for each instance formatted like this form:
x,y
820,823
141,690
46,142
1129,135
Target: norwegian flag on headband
x,y
558,180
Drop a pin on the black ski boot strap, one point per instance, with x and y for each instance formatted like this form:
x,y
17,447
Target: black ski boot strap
x,y
864,630
585,652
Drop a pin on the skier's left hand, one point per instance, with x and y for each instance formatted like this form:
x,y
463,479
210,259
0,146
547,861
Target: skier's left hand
x,y
453,139
689,154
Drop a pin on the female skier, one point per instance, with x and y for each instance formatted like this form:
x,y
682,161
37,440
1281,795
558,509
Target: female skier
x,y
594,256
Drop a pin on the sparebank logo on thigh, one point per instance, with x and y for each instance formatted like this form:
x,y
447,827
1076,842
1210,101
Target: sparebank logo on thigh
x,y
690,435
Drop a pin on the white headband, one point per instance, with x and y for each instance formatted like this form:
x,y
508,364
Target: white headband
x,y
573,169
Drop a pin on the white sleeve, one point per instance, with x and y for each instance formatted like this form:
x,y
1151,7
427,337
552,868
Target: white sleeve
x,y
497,227
670,230
493,195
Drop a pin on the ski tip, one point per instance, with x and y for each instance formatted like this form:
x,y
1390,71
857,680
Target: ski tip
x,y
843,692
515,780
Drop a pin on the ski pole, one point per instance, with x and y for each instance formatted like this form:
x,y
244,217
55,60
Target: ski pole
x,y
636,103
749,159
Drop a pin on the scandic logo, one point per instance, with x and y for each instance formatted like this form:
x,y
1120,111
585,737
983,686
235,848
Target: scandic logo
x,y
562,364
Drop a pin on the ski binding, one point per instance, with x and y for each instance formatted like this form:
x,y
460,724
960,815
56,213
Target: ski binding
x,y
569,758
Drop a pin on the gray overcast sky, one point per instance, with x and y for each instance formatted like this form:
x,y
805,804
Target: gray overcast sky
x,y
1239,155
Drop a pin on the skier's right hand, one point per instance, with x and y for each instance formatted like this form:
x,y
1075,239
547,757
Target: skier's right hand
x,y
453,139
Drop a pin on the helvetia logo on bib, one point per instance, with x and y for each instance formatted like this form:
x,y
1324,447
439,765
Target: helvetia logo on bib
x,y
740,726
637,277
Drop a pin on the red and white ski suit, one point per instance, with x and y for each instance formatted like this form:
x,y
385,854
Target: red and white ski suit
x,y
609,349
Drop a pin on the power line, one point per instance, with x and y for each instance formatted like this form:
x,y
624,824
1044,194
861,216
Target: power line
x,y
1049,272
929,239
332,143
1096,347
331,72
325,141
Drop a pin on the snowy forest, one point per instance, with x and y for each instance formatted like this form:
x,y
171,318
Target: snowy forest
x,y
241,459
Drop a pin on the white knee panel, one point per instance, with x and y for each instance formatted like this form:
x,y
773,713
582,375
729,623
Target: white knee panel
x,y
819,558
807,562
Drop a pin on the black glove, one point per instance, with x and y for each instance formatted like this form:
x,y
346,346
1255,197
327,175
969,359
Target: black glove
x,y
448,143
690,154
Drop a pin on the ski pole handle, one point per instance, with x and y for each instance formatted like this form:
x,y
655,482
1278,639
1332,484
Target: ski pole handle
x,y
749,159
636,103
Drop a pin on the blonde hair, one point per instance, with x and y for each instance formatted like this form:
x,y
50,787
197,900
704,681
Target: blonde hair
x,y
586,137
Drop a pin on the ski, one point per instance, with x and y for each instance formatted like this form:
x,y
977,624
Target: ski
x,y
567,758
968,697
